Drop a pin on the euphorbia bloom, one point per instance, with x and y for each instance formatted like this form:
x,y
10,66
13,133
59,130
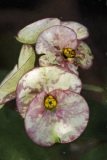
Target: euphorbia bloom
x,y
56,117
31,32
66,55
61,46
44,79
48,98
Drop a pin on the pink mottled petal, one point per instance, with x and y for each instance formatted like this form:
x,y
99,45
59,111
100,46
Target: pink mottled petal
x,y
54,39
47,60
80,30
72,113
44,79
50,59
38,121
30,33
87,60
71,68
62,125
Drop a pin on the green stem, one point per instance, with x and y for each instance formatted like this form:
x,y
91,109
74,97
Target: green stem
x,y
94,88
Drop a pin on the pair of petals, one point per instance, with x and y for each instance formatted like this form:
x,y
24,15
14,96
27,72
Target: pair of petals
x,y
70,117
52,41
63,125
30,33
44,79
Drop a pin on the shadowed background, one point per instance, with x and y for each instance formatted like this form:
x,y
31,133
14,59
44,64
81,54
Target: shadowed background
x,y
14,15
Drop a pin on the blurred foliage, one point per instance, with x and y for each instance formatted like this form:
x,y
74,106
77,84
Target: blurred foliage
x,y
97,153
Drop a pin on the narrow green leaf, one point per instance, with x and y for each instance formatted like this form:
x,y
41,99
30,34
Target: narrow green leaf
x,y
25,63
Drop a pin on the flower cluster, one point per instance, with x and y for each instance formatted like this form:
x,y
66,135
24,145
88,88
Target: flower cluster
x,y
48,94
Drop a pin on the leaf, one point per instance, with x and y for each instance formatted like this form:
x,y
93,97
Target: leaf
x,y
10,74
26,62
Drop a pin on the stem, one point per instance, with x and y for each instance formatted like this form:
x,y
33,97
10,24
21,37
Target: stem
x,y
94,88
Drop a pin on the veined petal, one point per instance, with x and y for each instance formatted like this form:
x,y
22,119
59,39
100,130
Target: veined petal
x,y
87,58
44,79
30,33
62,125
54,39
80,30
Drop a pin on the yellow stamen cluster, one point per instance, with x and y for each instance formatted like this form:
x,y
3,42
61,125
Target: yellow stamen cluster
x,y
69,53
50,102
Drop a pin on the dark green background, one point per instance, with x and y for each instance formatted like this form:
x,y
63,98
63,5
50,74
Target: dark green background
x,y
14,15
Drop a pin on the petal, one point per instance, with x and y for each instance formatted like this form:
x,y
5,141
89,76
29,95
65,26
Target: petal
x,y
87,59
30,33
64,124
36,122
47,60
50,59
70,67
54,39
72,113
80,30
44,79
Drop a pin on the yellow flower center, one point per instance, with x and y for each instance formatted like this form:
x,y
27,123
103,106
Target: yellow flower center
x,y
69,53
50,102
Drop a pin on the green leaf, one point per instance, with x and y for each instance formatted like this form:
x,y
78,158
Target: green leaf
x,y
25,63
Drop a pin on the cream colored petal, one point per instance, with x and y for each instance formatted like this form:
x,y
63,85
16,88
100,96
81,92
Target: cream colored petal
x,y
44,79
30,33
87,58
80,30
55,39
47,60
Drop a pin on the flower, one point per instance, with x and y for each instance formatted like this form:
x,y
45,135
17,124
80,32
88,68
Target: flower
x,y
48,99
60,46
44,79
73,52
30,33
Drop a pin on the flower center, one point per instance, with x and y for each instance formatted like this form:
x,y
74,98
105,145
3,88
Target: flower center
x,y
50,102
69,53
